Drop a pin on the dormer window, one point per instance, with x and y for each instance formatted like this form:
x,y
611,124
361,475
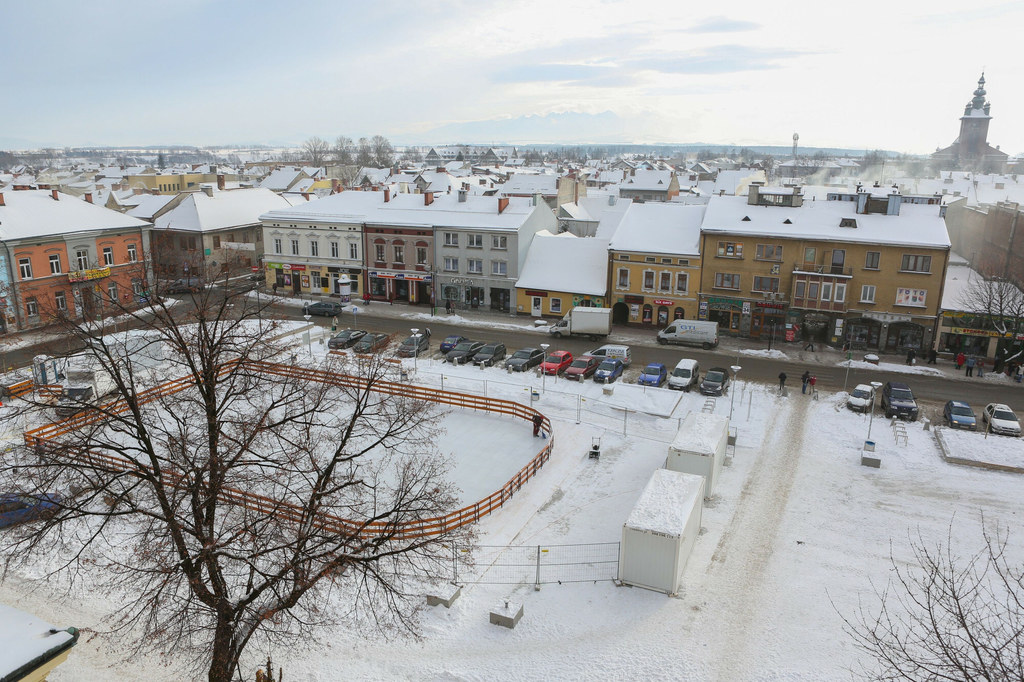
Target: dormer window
x,y
848,222
746,219
787,221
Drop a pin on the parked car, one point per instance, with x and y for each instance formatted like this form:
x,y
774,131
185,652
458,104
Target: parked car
x,y
185,285
345,338
959,415
258,276
15,509
608,371
371,343
685,375
582,367
716,382
450,342
654,374
898,400
556,362
862,399
489,355
612,350
464,352
415,345
325,308
525,358
1001,419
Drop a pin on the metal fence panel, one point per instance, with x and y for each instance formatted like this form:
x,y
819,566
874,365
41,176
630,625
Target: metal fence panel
x,y
537,564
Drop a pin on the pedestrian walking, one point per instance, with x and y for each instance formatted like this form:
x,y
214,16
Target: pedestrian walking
x,y
811,382
970,366
538,421
782,382
275,288
810,344
933,355
960,358
911,354
980,365
803,380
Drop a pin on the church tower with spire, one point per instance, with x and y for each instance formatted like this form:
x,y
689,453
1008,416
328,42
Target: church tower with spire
x,y
971,150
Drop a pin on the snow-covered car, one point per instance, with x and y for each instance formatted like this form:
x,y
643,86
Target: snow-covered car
x,y
1001,419
958,415
15,509
345,338
654,374
608,371
862,399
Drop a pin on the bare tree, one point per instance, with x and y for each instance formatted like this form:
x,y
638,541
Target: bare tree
x,y
316,150
343,149
945,616
996,304
364,155
383,152
237,502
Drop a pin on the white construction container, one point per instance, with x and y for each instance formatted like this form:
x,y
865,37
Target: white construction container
x,y
659,534
699,447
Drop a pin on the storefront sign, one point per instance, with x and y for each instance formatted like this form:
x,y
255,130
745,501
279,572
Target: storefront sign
x,y
888,317
702,310
400,276
978,332
914,297
86,275
746,307
634,299
296,268
532,292
773,306
663,301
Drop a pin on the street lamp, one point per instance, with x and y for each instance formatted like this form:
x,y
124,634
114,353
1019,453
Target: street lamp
x,y
309,335
732,394
543,375
771,334
416,346
875,385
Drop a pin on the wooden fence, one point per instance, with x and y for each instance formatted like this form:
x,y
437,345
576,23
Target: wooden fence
x,y
45,436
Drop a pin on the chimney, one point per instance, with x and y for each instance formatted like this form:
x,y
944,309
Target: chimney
x,y
220,181
387,194
208,190
137,191
754,193
502,204
2,199
462,196
305,195
88,197
428,198
53,193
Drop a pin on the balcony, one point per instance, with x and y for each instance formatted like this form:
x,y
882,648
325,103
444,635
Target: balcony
x,y
823,269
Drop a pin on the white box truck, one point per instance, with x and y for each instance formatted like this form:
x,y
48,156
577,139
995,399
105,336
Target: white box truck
x,y
590,322
699,447
690,333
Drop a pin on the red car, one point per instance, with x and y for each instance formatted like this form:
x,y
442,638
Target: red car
x,y
582,367
556,362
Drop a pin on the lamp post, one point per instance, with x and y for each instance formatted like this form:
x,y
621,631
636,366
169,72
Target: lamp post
x,y
416,346
732,394
543,374
875,385
309,336
771,334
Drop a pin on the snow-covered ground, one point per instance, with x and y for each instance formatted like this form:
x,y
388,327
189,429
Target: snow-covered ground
x,y
793,539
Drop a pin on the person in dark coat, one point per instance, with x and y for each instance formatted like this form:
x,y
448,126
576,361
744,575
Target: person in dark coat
x,y
538,421
933,355
804,379
911,354
782,381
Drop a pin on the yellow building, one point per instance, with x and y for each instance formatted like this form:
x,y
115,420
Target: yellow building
x,y
561,272
864,268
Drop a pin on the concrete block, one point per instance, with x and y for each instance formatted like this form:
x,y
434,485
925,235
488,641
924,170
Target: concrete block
x,y
873,461
507,614
444,594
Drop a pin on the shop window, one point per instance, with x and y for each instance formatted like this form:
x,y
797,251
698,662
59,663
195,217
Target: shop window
x,y
730,249
556,305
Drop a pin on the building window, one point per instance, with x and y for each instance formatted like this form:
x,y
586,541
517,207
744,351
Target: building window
x,y
623,278
216,242
132,253
25,268
451,238
556,305
649,259
475,266
335,249
730,249
475,241
317,281
623,257
826,291
60,299
665,281
295,247
682,282
769,252
499,268
872,260
83,259
451,264
648,280
867,293
810,254
421,255
353,251
379,250
766,284
55,264
916,263
314,248
112,291
277,246
724,280
499,242
840,292
801,289
399,253
137,287
812,290
31,307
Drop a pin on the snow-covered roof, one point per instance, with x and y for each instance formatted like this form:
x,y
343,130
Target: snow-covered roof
x,y
648,181
916,225
27,638
520,183
666,502
736,182
660,228
34,213
701,432
150,204
281,179
565,262
237,208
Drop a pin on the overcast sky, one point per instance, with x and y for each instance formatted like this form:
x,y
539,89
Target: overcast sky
x,y
892,75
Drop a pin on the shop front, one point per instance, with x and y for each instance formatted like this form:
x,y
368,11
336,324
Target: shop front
x,y
727,312
905,336
475,292
863,333
767,318
386,285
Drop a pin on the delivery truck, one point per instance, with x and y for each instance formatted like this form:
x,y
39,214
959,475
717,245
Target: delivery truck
x,y
590,322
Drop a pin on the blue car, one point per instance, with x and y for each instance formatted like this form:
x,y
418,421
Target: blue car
x,y
608,371
654,374
450,342
959,415
15,509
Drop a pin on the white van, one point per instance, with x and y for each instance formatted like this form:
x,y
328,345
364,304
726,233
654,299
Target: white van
x,y
612,351
685,375
690,332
